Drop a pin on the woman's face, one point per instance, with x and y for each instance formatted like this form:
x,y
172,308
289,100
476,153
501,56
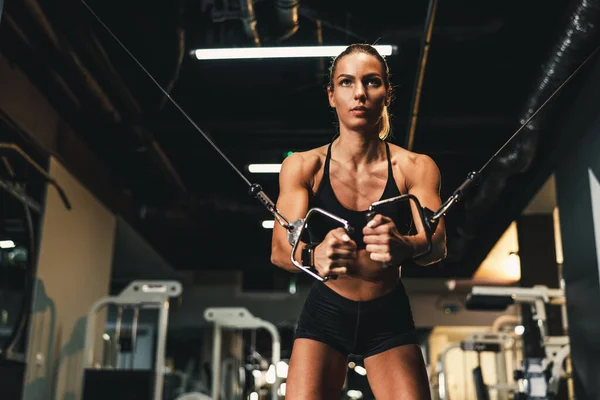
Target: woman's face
x,y
359,94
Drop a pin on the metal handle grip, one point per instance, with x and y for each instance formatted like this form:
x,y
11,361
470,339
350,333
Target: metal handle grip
x,y
295,235
424,214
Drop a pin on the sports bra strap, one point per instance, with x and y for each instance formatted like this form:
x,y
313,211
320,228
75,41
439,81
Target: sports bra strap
x,y
327,159
389,158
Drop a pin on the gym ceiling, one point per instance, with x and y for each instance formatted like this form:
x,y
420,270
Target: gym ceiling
x,y
489,66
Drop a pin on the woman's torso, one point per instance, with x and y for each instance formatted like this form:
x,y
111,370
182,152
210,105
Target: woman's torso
x,y
348,194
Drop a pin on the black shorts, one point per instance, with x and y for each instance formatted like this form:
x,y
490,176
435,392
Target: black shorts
x,y
362,328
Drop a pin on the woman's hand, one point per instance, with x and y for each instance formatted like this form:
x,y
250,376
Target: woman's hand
x,y
335,253
385,243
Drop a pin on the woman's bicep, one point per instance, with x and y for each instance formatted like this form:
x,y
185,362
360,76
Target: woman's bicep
x,y
425,186
293,198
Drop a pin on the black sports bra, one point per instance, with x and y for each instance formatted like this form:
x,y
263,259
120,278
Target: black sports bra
x,y
325,198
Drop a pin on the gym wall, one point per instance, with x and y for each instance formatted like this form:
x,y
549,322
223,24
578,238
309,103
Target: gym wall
x,y
578,194
73,271
76,246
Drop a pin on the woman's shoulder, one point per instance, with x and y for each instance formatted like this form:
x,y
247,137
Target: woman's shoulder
x,y
308,162
408,160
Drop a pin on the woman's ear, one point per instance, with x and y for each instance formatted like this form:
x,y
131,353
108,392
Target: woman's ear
x,y
388,98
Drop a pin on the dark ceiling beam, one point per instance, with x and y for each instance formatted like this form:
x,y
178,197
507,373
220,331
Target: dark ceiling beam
x,y
112,112
46,40
37,68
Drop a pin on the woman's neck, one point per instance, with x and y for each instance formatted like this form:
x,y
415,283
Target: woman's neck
x,y
357,148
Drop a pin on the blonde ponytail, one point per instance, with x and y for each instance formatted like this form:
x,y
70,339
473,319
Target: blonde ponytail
x,y
384,123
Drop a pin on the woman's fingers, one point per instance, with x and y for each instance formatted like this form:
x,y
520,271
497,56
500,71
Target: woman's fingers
x,y
377,248
383,257
339,270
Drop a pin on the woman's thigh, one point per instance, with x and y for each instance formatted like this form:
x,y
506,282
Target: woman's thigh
x,y
398,373
316,371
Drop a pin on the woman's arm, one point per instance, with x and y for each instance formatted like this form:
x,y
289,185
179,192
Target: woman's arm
x,y
337,251
292,202
386,244
424,182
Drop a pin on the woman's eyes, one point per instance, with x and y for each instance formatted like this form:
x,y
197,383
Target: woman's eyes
x,y
370,82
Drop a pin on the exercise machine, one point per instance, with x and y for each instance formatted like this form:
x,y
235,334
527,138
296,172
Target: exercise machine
x,y
539,377
493,341
102,381
238,318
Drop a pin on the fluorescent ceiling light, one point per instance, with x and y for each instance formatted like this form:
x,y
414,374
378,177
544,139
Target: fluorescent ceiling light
x,y
7,244
268,224
279,52
264,168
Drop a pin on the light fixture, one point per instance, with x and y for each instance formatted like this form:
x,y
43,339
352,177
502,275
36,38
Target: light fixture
x,y
280,52
282,369
281,390
271,375
512,267
519,330
268,224
264,168
7,244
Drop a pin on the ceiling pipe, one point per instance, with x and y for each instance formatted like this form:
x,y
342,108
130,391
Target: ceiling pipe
x,y
180,52
578,38
416,99
249,21
573,46
287,16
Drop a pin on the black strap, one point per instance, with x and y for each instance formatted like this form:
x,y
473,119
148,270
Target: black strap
x,y
308,258
327,159
389,158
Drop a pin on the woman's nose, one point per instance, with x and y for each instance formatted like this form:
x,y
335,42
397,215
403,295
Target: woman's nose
x,y
359,92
